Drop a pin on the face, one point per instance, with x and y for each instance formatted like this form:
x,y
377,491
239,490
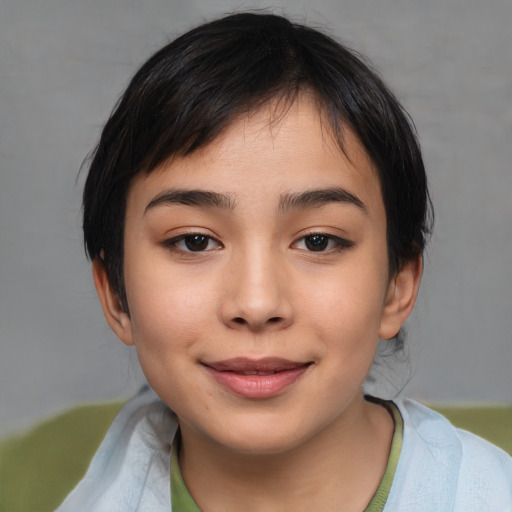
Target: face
x,y
257,280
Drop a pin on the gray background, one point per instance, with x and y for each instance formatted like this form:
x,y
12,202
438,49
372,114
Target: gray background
x,y
62,65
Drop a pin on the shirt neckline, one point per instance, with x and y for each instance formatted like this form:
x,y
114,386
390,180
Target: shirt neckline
x,y
182,501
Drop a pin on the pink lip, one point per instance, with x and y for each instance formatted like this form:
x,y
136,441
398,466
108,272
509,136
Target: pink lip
x,y
262,378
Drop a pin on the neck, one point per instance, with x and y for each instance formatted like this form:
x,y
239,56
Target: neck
x,y
338,468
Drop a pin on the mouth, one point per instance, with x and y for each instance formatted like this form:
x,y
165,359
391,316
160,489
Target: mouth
x,y
262,378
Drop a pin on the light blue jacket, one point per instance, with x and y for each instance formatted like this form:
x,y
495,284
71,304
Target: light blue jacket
x,y
441,468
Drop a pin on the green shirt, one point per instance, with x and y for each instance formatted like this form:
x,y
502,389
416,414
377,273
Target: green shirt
x,y
182,501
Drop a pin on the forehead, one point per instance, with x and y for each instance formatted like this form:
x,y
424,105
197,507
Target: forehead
x,y
265,154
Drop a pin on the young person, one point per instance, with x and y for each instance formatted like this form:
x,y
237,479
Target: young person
x,y
256,212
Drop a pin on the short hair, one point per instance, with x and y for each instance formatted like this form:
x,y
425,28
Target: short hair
x,y
192,89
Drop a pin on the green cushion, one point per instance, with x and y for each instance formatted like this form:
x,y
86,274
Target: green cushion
x,y
491,423
38,469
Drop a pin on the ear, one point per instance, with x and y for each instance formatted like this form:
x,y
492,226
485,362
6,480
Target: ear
x,y
400,298
115,315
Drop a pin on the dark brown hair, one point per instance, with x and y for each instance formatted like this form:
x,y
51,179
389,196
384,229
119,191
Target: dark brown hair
x,y
186,94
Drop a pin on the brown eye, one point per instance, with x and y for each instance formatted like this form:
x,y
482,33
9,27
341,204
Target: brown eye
x,y
196,242
193,242
316,242
322,243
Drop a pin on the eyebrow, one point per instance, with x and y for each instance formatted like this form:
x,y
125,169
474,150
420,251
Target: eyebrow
x,y
300,200
319,197
201,198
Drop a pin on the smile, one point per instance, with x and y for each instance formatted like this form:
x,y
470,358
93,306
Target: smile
x,y
257,379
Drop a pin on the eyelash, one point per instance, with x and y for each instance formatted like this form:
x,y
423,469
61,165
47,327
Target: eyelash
x,y
340,244
172,243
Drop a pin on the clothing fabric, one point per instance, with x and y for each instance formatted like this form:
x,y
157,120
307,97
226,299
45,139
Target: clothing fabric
x,y
441,468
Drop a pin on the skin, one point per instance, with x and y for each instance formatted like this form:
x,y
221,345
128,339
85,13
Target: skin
x,y
256,290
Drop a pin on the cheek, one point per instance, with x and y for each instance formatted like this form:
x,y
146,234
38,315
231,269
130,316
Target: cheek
x,y
350,299
168,308
345,311
167,325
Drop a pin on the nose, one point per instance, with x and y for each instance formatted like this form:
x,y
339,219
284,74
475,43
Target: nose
x,y
257,294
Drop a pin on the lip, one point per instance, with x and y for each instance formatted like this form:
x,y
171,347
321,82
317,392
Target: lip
x,y
256,378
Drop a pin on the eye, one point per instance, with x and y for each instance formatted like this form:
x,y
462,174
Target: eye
x,y
193,242
320,242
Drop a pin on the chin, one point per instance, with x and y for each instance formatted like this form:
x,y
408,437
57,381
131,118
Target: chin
x,y
259,437
261,445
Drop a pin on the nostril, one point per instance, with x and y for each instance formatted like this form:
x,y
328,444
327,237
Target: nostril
x,y
241,321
